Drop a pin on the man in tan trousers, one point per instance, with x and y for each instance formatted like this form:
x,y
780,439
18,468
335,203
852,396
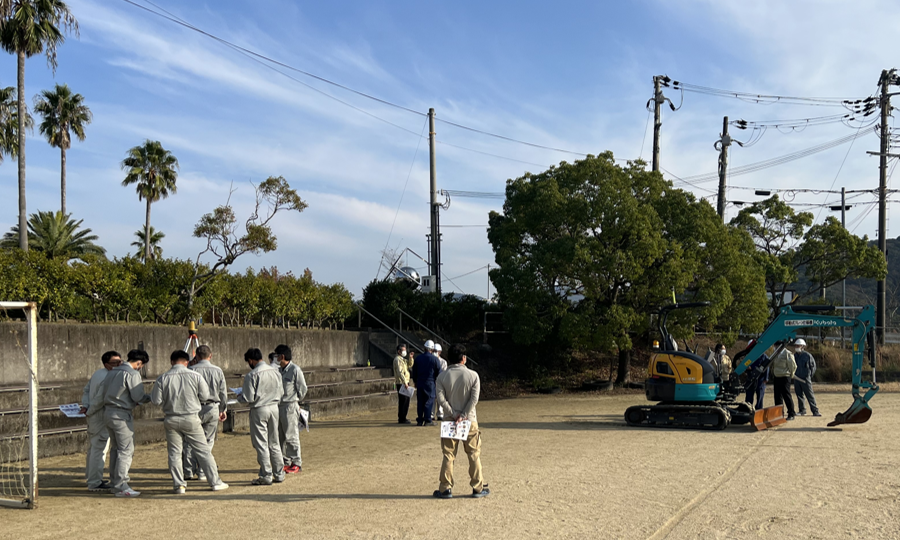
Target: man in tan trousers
x,y
457,392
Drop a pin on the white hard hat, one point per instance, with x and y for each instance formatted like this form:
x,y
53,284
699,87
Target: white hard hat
x,y
800,343
437,347
429,345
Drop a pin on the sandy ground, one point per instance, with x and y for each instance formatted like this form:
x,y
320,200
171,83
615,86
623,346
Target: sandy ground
x,y
559,467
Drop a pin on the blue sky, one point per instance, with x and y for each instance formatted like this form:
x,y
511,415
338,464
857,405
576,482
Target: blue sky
x,y
571,75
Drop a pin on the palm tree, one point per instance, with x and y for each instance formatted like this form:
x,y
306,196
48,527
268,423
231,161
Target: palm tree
x,y
155,238
153,169
31,27
9,122
63,113
56,235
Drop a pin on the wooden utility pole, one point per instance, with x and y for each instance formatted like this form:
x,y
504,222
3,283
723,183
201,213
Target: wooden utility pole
x,y
657,119
435,239
722,146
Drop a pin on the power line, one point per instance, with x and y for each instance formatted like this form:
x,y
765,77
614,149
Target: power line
x,y
402,193
162,13
758,166
764,99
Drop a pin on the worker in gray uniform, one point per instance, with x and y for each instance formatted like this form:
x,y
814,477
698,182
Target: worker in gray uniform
x,y
181,393
212,411
289,409
98,436
262,390
123,390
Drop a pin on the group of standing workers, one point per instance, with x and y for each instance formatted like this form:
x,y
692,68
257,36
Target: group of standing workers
x,y
797,367
453,390
193,396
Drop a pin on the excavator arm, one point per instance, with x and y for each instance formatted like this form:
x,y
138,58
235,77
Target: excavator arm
x,y
784,328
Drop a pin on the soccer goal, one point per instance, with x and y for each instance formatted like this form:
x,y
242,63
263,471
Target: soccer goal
x,y
18,432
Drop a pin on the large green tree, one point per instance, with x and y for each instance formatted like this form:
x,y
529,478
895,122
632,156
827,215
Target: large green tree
x,y
153,170
63,113
56,235
28,28
787,244
586,250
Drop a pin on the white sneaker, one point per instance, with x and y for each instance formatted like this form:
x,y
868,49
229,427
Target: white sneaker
x,y
201,477
128,493
179,490
221,486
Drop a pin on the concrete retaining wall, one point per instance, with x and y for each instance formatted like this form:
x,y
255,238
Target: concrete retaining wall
x,y
71,352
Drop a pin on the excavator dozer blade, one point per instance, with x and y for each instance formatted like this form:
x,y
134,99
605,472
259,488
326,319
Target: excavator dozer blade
x,y
768,417
858,413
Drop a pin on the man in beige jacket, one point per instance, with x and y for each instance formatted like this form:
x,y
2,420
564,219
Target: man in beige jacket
x,y
458,389
783,368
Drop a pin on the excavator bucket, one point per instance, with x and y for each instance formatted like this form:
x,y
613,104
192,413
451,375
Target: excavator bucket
x,y
768,417
858,413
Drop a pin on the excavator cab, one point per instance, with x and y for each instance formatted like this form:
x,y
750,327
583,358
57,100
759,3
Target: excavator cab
x,y
679,375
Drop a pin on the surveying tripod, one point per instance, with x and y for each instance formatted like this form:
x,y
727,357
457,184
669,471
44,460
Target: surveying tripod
x,y
190,346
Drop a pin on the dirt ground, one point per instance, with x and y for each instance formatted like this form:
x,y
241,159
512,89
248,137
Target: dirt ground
x,y
561,466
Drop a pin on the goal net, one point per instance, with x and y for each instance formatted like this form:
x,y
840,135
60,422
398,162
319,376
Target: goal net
x,y
18,423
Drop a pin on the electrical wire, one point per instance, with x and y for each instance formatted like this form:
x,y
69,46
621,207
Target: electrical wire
x,y
760,165
400,203
763,99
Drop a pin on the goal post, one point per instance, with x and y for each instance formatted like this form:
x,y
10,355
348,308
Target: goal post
x,y
20,483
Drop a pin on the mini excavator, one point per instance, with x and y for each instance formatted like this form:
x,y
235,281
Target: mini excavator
x,y
691,395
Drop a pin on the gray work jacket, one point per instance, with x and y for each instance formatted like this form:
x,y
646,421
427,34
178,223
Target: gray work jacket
x,y
294,383
123,388
180,391
262,386
215,379
91,397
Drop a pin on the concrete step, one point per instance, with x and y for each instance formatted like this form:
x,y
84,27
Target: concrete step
x,y
321,409
354,388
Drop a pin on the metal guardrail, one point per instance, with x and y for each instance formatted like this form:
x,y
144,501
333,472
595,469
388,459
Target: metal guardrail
x,y
430,331
386,327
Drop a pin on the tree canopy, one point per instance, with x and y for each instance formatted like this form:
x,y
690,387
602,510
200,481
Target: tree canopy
x,y
56,235
586,250
787,244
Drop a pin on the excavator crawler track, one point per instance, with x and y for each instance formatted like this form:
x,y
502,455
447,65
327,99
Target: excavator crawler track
x,y
709,416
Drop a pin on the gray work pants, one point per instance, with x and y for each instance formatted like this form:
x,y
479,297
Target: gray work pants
x,y
264,437
98,439
803,389
209,420
186,432
289,432
120,425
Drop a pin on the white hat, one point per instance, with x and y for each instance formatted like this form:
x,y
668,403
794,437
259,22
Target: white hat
x,y
437,347
800,343
429,345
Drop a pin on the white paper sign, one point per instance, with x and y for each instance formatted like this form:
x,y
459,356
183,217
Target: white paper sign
x,y
408,391
236,391
73,410
304,419
454,430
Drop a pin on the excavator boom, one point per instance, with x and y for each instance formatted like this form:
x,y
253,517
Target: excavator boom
x,y
785,327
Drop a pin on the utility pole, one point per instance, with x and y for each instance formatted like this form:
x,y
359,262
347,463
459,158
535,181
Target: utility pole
x,y
722,146
880,312
435,237
657,119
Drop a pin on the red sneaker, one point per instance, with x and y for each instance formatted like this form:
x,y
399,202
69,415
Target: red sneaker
x,y
292,469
